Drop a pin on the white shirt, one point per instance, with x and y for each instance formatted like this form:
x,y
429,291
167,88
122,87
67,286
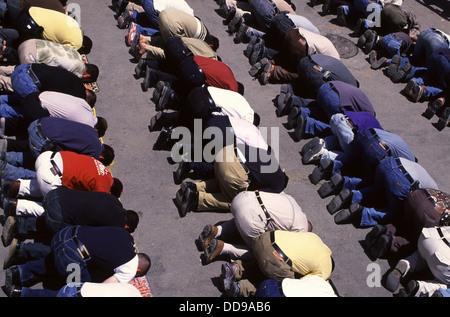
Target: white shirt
x,y
66,106
181,5
233,104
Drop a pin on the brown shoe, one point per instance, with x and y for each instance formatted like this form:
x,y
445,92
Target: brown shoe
x,y
10,188
213,249
10,229
12,253
209,232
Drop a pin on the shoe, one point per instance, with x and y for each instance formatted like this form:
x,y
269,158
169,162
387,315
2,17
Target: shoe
x,y
12,254
251,44
183,187
373,57
412,288
258,52
121,6
360,28
347,215
235,290
134,48
283,102
340,201
314,153
443,119
322,171
148,79
266,73
139,70
164,142
433,107
213,249
299,131
393,66
373,235
292,117
310,145
257,68
394,277
124,19
10,188
230,15
382,245
235,24
413,91
209,232
9,207
340,16
163,119
166,101
241,34
379,63
228,275
131,34
326,7
10,229
189,202
181,173
332,187
286,88
371,41
12,281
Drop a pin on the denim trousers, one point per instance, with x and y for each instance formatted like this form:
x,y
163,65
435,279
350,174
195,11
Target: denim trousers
x,y
263,12
390,182
10,107
21,82
391,45
64,255
429,41
151,13
434,80
16,172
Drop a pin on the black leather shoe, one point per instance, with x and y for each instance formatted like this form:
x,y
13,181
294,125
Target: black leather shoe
x,y
235,24
183,187
12,282
348,215
323,171
283,104
10,229
380,248
433,107
293,115
230,15
373,235
12,254
182,171
443,119
340,201
189,203
9,207
332,187
299,131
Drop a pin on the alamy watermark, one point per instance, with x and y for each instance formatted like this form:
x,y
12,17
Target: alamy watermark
x,y
74,10
202,145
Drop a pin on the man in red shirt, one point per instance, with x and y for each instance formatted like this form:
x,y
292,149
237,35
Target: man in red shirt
x,y
53,169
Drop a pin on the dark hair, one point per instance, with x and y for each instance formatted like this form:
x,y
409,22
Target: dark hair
x,y
93,72
131,220
101,126
256,119
86,47
144,264
107,155
91,97
116,187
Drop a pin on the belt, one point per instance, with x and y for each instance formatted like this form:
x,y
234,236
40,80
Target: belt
x,y
274,6
277,248
80,246
264,209
382,143
326,73
39,131
33,76
439,230
414,183
55,169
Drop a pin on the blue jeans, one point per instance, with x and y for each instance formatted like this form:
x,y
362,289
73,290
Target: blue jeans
x,y
65,254
21,82
429,41
69,290
434,80
390,182
361,9
391,45
16,172
10,107
151,13
263,12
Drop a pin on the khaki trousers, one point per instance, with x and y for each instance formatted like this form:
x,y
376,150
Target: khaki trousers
x,y
230,179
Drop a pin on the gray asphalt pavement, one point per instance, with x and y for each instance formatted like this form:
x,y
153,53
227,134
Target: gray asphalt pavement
x,y
177,270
